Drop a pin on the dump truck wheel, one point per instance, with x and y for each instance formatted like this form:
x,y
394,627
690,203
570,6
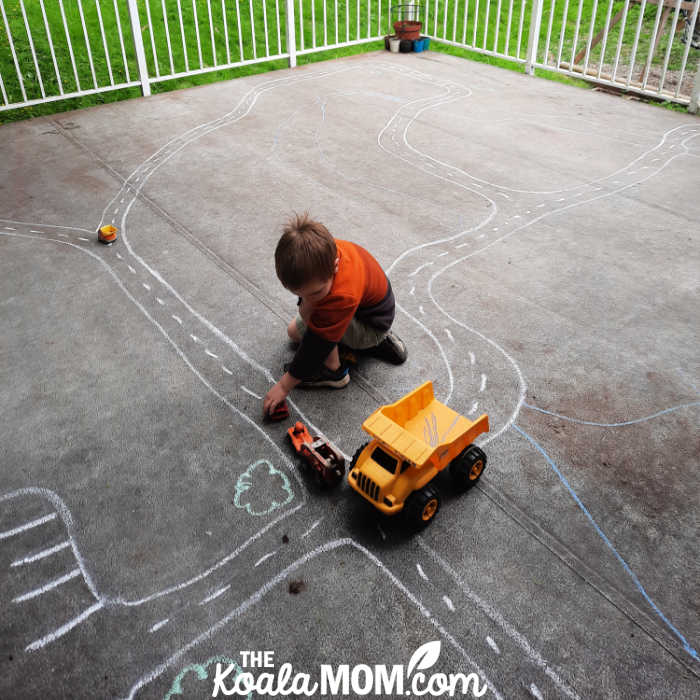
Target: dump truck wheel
x,y
421,506
467,469
356,456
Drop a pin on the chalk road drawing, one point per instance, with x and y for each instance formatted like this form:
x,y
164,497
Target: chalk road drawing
x,y
246,484
201,671
430,430
197,132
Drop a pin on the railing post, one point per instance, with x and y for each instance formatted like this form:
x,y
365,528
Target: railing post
x,y
534,38
138,46
694,104
291,34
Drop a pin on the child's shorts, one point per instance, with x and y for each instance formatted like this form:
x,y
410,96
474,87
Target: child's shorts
x,y
358,336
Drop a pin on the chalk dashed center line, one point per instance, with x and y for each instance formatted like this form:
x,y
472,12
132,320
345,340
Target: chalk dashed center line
x,y
177,318
131,270
160,624
264,558
421,573
311,529
147,287
211,354
194,337
214,595
448,603
449,334
483,383
493,645
252,393
472,410
226,369
421,267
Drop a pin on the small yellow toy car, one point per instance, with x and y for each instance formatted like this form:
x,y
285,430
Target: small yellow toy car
x,y
414,438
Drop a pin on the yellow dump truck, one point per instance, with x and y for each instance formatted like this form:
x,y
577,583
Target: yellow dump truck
x,y
414,438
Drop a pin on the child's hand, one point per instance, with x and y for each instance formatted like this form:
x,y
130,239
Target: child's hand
x,y
278,393
273,398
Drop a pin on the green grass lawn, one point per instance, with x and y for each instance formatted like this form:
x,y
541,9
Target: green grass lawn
x,y
171,39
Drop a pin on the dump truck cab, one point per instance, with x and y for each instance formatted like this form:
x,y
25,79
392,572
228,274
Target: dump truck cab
x,y
413,439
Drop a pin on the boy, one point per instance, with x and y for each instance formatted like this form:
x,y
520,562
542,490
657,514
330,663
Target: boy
x,y
344,296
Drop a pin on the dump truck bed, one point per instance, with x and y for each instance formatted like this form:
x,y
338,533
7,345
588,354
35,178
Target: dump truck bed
x,y
418,424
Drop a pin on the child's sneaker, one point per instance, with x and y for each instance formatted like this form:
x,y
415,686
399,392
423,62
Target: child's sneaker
x,y
392,349
333,378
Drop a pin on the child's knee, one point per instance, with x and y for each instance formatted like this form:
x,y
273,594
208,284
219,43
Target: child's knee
x,y
293,332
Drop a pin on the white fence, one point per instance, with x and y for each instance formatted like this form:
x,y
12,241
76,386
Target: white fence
x,y
60,49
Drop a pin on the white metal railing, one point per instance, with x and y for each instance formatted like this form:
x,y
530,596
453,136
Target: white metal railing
x,y
60,49
625,44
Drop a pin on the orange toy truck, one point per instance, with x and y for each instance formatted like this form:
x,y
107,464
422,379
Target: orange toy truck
x,y
414,438
320,454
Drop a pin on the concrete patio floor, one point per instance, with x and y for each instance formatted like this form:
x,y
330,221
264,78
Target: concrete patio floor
x,y
542,244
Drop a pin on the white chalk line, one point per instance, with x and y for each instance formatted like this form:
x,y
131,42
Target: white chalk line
x,y
493,645
267,587
483,383
41,555
67,519
311,529
421,267
439,346
177,318
614,425
47,587
523,386
185,359
493,614
53,636
448,603
264,558
449,335
534,690
421,573
160,624
382,534
211,354
44,225
27,526
214,595
252,393
226,369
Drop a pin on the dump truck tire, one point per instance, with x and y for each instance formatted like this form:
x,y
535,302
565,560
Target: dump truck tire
x,y
422,506
468,467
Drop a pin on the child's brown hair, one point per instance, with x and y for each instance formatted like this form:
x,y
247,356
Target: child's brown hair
x,y
306,252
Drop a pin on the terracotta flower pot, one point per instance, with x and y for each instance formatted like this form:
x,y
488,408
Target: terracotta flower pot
x,y
407,29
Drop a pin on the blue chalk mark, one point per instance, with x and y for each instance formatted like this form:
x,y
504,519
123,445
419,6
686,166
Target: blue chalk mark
x,y
610,545
245,482
201,671
612,425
